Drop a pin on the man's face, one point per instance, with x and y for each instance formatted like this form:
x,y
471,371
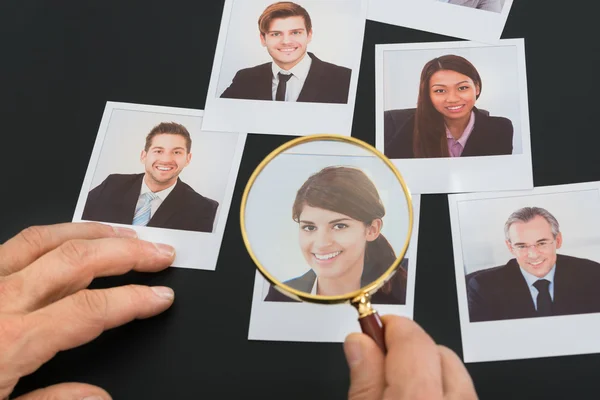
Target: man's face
x,y
165,159
286,41
523,238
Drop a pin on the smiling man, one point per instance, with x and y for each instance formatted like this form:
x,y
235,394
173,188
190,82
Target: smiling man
x,y
295,74
537,282
157,197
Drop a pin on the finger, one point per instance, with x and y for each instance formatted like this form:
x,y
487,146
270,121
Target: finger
x,y
33,242
457,382
67,391
72,267
412,366
366,363
81,317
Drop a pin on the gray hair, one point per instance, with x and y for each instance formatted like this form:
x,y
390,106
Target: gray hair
x,y
526,214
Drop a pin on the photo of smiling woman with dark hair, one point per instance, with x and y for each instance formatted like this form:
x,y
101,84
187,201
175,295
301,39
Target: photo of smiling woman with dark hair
x,y
340,216
446,122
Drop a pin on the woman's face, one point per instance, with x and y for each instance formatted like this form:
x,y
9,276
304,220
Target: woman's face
x,y
333,244
452,94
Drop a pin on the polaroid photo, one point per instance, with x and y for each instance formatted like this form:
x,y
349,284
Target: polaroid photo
x,y
478,20
296,242
453,116
527,270
154,170
280,69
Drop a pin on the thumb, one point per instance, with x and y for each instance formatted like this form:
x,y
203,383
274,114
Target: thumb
x,y
367,367
67,391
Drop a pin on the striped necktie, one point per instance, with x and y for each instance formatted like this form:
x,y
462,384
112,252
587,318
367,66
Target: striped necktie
x,y
143,209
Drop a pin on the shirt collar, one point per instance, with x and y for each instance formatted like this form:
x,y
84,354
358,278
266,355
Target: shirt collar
x,y
162,195
299,70
531,279
467,132
314,287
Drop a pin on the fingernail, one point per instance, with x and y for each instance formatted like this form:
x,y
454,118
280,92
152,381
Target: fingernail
x,y
163,292
353,351
124,233
165,249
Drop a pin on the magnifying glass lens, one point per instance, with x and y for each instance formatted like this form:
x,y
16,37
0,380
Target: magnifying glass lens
x,y
327,219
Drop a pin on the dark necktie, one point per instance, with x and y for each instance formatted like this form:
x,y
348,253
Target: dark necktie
x,y
282,86
544,301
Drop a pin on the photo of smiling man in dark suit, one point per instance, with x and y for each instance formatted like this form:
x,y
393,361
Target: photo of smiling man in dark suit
x,y
538,282
156,197
294,74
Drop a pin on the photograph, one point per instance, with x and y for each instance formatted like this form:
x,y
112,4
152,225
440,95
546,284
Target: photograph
x,y
453,116
148,170
477,20
339,223
527,263
279,58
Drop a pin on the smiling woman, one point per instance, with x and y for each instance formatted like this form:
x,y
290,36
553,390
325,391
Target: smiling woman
x,y
340,216
446,122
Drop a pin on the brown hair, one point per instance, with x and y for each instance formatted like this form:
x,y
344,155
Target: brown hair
x,y
169,128
348,191
429,135
282,9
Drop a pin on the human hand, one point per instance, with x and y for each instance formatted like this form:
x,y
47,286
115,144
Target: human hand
x,y
45,306
413,368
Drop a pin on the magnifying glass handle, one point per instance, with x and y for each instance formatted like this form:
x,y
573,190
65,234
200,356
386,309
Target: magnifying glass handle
x,y
372,326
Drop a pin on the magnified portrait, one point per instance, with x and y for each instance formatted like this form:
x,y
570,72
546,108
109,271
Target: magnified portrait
x,y
339,217
446,121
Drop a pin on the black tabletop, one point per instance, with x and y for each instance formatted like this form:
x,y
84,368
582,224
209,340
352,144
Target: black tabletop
x,y
61,61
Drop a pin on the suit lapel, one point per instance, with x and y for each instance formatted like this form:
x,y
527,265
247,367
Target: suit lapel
x,y
477,139
311,87
168,207
305,282
126,209
264,83
519,299
565,290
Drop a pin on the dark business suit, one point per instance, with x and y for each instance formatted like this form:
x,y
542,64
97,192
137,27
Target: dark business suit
x,y
114,200
490,136
305,282
502,293
325,83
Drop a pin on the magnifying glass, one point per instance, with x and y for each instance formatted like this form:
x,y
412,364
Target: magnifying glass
x,y
327,219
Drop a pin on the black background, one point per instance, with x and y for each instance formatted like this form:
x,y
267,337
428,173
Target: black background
x,y
61,61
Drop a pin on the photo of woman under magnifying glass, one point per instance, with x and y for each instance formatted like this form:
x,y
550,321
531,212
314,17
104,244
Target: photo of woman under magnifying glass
x,y
339,215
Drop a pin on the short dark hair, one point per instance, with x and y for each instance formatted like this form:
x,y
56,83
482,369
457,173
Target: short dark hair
x,y
169,128
282,9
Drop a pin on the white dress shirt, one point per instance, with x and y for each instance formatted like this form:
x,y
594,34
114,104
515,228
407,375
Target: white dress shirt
x,y
160,197
314,288
531,279
294,85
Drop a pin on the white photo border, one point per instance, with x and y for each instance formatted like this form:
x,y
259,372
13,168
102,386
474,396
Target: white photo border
x,y
442,18
519,338
307,322
271,117
186,243
460,174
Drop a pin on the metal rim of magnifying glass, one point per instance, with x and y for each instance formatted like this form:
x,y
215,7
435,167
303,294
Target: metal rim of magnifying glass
x,y
303,296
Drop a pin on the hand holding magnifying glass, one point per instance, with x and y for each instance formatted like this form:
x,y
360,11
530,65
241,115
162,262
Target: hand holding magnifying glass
x,y
339,216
